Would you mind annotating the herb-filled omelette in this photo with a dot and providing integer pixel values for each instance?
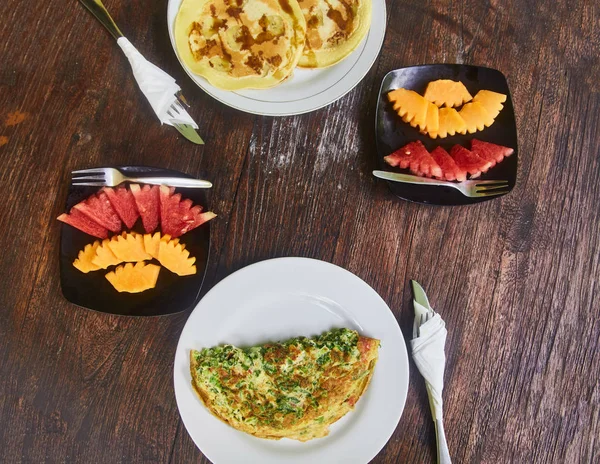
(293, 389)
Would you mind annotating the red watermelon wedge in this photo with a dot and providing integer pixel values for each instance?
(123, 202)
(450, 170)
(80, 221)
(427, 167)
(469, 161)
(177, 216)
(401, 158)
(146, 200)
(99, 210)
(490, 151)
(169, 206)
(422, 164)
(414, 156)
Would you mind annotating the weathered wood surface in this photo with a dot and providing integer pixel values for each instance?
(517, 279)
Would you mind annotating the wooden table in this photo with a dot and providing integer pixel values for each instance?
(516, 279)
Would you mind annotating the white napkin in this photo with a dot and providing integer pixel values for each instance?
(158, 87)
(430, 358)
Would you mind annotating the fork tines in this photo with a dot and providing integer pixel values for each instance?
(491, 187)
(176, 108)
(95, 179)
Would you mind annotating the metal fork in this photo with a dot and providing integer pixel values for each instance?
(111, 177)
(424, 318)
(442, 444)
(469, 188)
(185, 129)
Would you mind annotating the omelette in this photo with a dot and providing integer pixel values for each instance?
(293, 389)
(238, 44)
(334, 28)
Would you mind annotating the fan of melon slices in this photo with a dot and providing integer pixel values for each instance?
(111, 209)
(434, 113)
(131, 247)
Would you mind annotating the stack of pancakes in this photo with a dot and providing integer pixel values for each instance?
(240, 44)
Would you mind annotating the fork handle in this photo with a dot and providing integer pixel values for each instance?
(172, 181)
(408, 179)
(101, 13)
(442, 445)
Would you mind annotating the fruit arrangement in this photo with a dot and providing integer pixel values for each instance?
(434, 113)
(110, 210)
(449, 166)
(131, 247)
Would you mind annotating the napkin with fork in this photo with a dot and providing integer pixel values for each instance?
(429, 334)
(158, 87)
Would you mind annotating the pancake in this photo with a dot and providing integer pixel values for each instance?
(294, 389)
(334, 29)
(238, 44)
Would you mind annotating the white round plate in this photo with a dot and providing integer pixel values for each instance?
(279, 299)
(307, 89)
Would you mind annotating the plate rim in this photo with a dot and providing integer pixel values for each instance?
(207, 87)
(405, 376)
(173, 173)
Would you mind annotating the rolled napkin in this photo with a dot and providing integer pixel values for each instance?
(428, 352)
(158, 87)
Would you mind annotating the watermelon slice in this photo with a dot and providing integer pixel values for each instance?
(419, 154)
(490, 151)
(469, 161)
(177, 216)
(123, 203)
(82, 222)
(146, 200)
(450, 170)
(99, 210)
(421, 163)
(169, 206)
(414, 156)
(401, 158)
(427, 166)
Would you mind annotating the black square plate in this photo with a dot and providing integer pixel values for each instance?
(392, 133)
(172, 293)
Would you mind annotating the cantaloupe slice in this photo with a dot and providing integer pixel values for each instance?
(132, 278)
(476, 117)
(151, 243)
(84, 259)
(433, 118)
(104, 256)
(447, 92)
(176, 258)
(129, 247)
(410, 106)
(491, 101)
(450, 123)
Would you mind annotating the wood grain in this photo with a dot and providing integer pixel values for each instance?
(516, 279)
